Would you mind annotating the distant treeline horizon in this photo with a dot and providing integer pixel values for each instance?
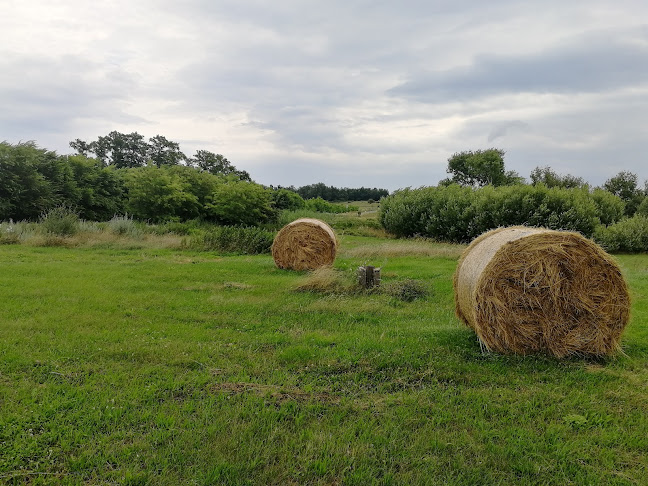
(337, 194)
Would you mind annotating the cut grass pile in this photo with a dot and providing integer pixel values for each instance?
(160, 366)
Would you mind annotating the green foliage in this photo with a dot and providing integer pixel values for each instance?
(546, 176)
(437, 212)
(629, 235)
(24, 192)
(121, 150)
(217, 164)
(321, 206)
(480, 168)
(32, 180)
(60, 221)
(250, 240)
(164, 152)
(240, 203)
(625, 185)
(643, 207)
(101, 191)
(610, 208)
(285, 199)
(336, 194)
(458, 214)
(158, 194)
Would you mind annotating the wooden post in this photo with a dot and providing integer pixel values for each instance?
(368, 276)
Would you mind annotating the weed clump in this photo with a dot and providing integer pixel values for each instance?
(328, 280)
(407, 290)
(60, 221)
(123, 226)
(247, 240)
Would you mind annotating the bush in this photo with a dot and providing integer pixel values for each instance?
(241, 203)
(61, 221)
(609, 207)
(8, 234)
(235, 239)
(628, 235)
(123, 226)
(160, 194)
(284, 199)
(642, 209)
(458, 214)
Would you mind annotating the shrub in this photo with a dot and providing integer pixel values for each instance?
(628, 235)
(241, 203)
(160, 194)
(60, 221)
(458, 214)
(8, 234)
(642, 210)
(123, 226)
(285, 199)
(610, 208)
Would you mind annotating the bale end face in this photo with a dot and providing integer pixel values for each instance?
(304, 244)
(532, 290)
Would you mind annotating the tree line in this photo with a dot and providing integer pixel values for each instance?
(480, 194)
(337, 194)
(124, 174)
(486, 167)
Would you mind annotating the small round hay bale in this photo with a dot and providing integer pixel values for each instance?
(533, 290)
(304, 244)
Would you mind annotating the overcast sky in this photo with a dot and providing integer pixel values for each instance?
(350, 93)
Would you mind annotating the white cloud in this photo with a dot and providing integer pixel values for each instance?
(349, 93)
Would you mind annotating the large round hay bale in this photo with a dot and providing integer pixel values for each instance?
(304, 244)
(532, 290)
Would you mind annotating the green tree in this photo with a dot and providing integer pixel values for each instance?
(24, 192)
(241, 203)
(545, 175)
(164, 152)
(625, 185)
(157, 194)
(287, 199)
(101, 189)
(121, 150)
(479, 168)
(217, 164)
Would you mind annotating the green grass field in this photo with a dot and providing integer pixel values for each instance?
(161, 366)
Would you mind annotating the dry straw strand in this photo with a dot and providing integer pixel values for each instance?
(304, 244)
(533, 290)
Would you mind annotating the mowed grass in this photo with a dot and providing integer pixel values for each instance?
(160, 366)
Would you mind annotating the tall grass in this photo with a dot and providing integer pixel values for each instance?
(234, 239)
(60, 221)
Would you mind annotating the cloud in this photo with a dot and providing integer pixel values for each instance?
(595, 63)
(503, 128)
(42, 97)
(300, 91)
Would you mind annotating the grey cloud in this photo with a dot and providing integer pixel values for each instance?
(583, 67)
(50, 96)
(502, 129)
